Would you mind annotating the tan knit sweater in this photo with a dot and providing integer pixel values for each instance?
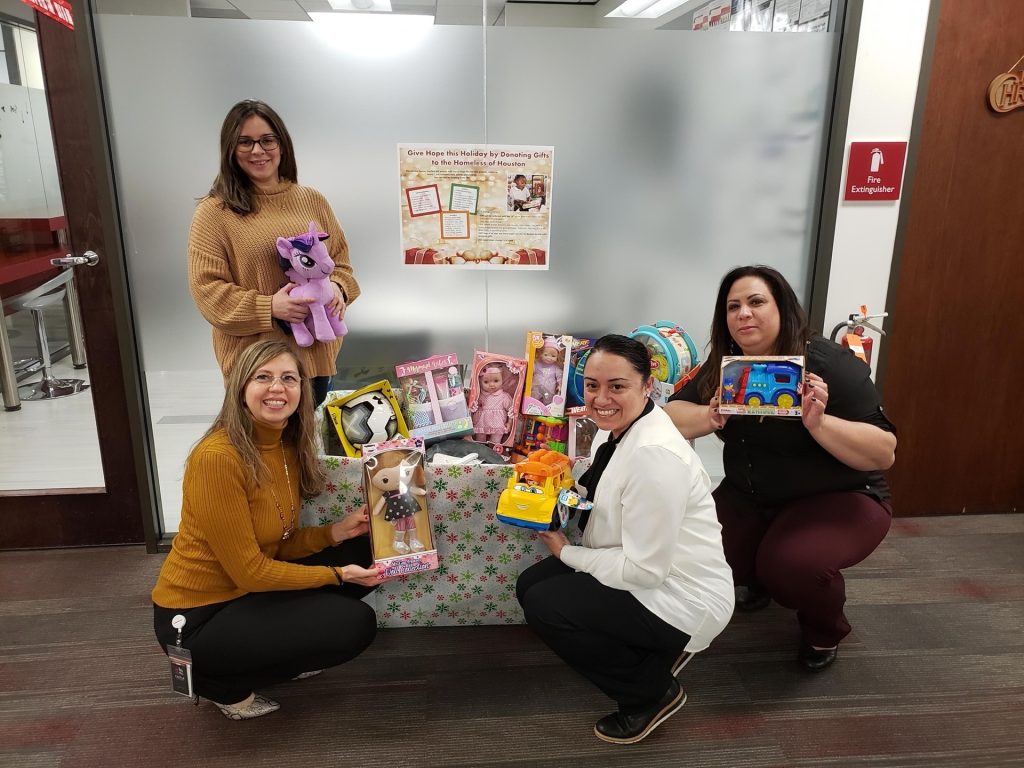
(229, 541)
(233, 269)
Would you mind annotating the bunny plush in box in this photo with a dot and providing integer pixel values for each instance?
(306, 262)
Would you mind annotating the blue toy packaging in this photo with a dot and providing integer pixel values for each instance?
(574, 404)
(761, 386)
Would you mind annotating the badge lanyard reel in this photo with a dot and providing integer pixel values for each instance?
(181, 663)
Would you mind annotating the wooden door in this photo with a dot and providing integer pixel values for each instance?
(121, 511)
(953, 367)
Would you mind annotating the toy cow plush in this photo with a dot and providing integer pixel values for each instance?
(306, 262)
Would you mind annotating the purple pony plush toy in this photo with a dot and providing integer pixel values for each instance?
(306, 262)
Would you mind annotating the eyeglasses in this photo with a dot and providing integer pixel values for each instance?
(289, 380)
(268, 142)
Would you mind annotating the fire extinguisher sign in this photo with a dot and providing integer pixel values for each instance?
(875, 170)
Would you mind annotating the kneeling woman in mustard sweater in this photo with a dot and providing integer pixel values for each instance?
(263, 600)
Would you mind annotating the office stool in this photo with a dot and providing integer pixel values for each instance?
(36, 300)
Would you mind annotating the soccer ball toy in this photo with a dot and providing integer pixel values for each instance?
(368, 415)
(369, 418)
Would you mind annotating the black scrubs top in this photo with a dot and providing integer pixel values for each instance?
(774, 459)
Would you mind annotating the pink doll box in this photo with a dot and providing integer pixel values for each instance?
(761, 386)
(396, 497)
(547, 373)
(495, 394)
(434, 401)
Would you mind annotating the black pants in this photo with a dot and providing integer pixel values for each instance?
(605, 634)
(321, 386)
(264, 638)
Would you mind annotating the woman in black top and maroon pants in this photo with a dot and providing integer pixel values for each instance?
(801, 499)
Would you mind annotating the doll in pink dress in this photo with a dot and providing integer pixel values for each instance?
(492, 412)
(547, 373)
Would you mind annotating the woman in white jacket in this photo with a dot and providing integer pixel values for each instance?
(649, 584)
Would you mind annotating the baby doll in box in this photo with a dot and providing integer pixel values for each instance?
(494, 395)
(547, 374)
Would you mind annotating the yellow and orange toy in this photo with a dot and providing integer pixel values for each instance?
(531, 498)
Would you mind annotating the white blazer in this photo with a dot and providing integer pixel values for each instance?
(654, 531)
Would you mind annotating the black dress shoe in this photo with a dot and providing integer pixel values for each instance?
(619, 728)
(815, 659)
(751, 599)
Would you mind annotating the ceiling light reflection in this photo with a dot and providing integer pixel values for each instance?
(372, 35)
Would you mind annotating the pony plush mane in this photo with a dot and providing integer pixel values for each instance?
(302, 243)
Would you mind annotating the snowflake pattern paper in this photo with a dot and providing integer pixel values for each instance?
(480, 558)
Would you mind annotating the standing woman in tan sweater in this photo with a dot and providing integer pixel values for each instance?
(233, 268)
(263, 601)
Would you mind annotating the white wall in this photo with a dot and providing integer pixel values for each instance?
(885, 82)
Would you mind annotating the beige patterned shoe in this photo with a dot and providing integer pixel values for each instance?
(258, 706)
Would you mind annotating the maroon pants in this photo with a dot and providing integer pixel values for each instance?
(795, 551)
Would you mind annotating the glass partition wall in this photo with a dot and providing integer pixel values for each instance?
(678, 154)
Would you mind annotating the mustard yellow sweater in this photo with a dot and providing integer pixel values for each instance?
(233, 269)
(229, 541)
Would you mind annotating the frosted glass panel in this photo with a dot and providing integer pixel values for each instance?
(677, 156)
(176, 78)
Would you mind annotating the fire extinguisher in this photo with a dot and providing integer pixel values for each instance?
(855, 338)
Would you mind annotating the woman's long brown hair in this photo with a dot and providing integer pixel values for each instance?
(793, 330)
(237, 422)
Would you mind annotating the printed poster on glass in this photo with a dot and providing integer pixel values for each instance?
(480, 206)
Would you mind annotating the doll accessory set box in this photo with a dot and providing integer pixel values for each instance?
(434, 402)
(761, 386)
(396, 496)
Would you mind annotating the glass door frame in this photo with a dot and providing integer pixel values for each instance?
(124, 511)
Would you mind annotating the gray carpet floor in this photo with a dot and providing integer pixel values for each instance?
(933, 675)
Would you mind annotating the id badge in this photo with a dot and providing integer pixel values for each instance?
(181, 670)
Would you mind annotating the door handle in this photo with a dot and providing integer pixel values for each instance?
(87, 259)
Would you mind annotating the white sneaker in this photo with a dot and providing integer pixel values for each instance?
(257, 706)
(400, 547)
(416, 545)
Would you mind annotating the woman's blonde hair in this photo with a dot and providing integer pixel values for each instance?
(237, 422)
